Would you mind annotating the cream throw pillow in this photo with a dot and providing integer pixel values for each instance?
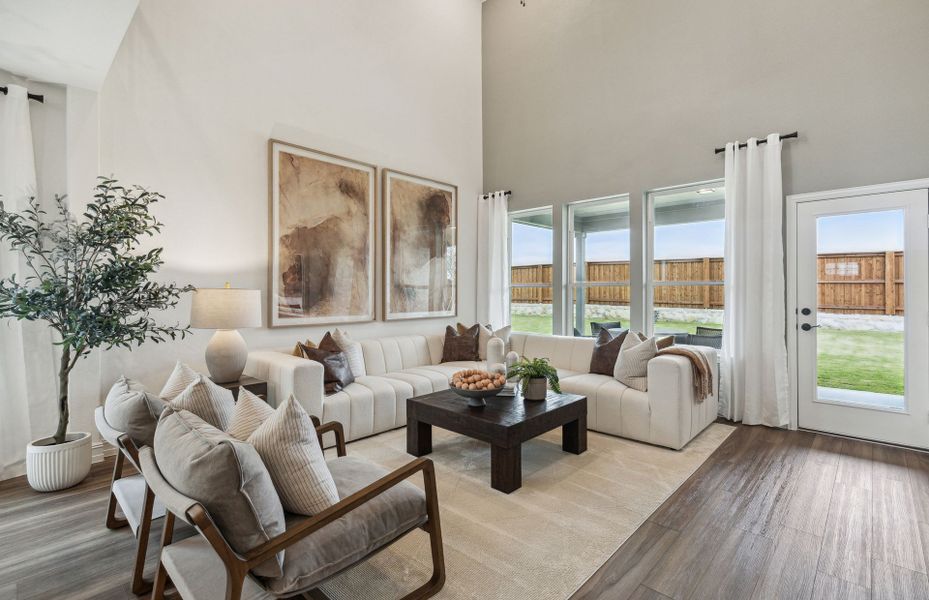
(288, 445)
(632, 364)
(249, 413)
(210, 402)
(353, 352)
(177, 382)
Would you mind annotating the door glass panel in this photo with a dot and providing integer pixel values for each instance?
(860, 313)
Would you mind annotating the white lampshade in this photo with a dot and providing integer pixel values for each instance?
(225, 308)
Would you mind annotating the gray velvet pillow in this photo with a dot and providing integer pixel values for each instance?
(225, 475)
(132, 410)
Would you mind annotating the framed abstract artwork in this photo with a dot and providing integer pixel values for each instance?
(322, 237)
(420, 247)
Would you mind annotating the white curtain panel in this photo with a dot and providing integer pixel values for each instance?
(753, 377)
(17, 184)
(493, 261)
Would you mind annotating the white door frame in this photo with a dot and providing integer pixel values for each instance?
(793, 201)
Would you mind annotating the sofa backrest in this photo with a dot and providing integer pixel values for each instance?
(564, 352)
(389, 354)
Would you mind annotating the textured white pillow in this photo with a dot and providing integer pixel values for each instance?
(484, 335)
(210, 402)
(249, 413)
(632, 364)
(289, 448)
(352, 350)
(177, 382)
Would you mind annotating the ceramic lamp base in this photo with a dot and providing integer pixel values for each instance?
(226, 355)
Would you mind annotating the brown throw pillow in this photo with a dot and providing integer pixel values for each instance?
(298, 352)
(664, 342)
(606, 349)
(336, 372)
(461, 346)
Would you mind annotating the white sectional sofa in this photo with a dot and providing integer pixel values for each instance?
(398, 368)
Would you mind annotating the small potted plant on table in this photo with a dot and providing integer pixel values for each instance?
(87, 280)
(535, 375)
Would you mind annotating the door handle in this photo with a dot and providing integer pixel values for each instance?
(807, 326)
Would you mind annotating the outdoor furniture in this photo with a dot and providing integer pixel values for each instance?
(505, 423)
(376, 509)
(713, 341)
(131, 495)
(709, 331)
(596, 326)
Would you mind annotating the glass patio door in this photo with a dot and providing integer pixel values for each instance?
(863, 316)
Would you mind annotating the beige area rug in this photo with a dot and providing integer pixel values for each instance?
(543, 540)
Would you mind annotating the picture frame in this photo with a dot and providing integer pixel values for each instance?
(322, 237)
(420, 247)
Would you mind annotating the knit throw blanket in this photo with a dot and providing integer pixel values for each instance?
(703, 372)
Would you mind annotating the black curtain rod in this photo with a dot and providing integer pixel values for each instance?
(761, 141)
(37, 97)
(486, 196)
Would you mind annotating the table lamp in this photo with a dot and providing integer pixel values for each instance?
(226, 310)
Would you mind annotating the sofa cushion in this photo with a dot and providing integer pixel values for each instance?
(632, 365)
(606, 349)
(249, 413)
(336, 372)
(563, 352)
(132, 410)
(224, 474)
(181, 377)
(461, 345)
(384, 355)
(212, 403)
(352, 350)
(354, 536)
(289, 447)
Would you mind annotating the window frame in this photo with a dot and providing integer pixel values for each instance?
(570, 246)
(509, 240)
(649, 255)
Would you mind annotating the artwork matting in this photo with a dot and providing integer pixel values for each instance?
(420, 247)
(322, 237)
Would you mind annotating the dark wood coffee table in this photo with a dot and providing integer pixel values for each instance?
(505, 423)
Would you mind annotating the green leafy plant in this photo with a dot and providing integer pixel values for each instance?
(535, 368)
(87, 278)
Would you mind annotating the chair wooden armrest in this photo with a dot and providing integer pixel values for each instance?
(336, 428)
(237, 566)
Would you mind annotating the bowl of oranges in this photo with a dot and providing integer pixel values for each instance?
(476, 385)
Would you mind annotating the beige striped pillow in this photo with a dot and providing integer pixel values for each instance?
(632, 365)
(288, 445)
(180, 378)
(249, 413)
(210, 402)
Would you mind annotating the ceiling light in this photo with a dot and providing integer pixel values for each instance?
(706, 190)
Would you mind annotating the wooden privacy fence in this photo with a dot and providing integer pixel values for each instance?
(856, 283)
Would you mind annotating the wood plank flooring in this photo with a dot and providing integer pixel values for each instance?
(780, 514)
(772, 514)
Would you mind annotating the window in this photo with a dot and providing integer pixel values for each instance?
(685, 278)
(598, 255)
(531, 246)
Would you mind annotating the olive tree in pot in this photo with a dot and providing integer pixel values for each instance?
(90, 282)
(535, 375)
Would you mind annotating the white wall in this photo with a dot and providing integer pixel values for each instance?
(198, 88)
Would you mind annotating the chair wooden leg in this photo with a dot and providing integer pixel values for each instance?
(161, 576)
(112, 521)
(437, 581)
(140, 585)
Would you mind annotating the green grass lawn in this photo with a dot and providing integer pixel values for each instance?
(869, 361)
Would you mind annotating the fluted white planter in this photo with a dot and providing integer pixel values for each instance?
(51, 467)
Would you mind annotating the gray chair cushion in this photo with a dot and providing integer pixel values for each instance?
(132, 410)
(130, 493)
(358, 534)
(226, 476)
(198, 573)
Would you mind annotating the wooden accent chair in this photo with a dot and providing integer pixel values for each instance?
(204, 567)
(134, 499)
